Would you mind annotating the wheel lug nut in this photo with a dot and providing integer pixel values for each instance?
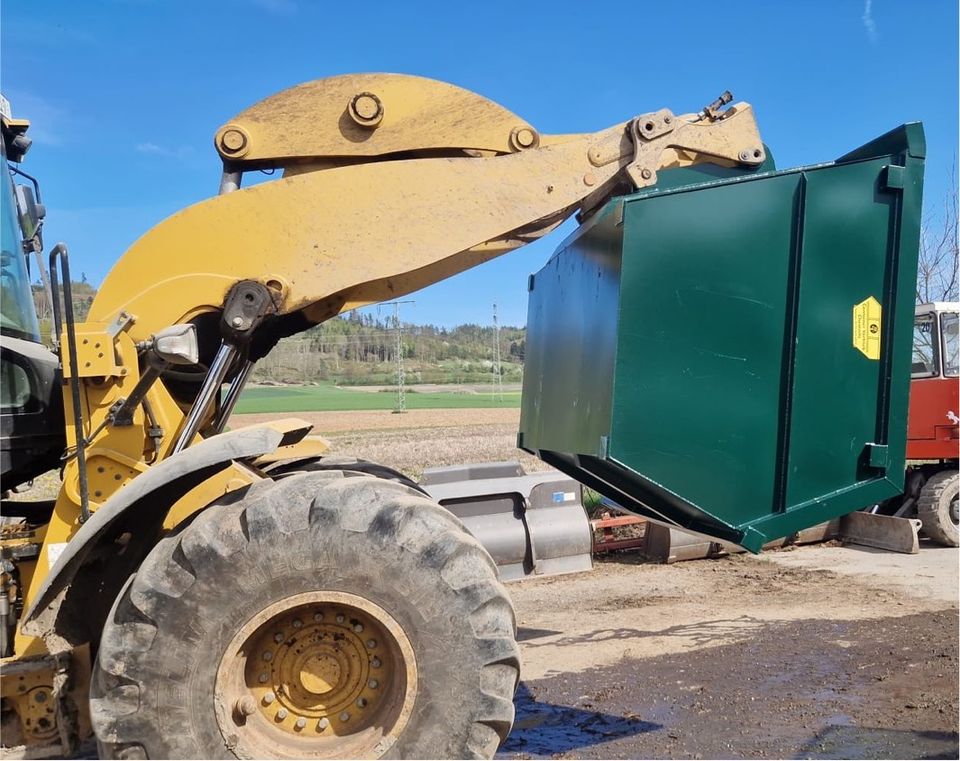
(301, 723)
(376, 663)
(358, 628)
(373, 684)
(269, 697)
(361, 702)
(371, 643)
(344, 716)
(263, 678)
(281, 714)
(246, 705)
(323, 724)
(340, 618)
(297, 623)
(267, 655)
(278, 637)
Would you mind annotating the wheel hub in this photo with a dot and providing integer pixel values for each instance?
(322, 674)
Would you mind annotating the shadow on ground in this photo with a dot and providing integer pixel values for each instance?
(846, 741)
(546, 729)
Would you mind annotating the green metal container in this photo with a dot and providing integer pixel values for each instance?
(730, 352)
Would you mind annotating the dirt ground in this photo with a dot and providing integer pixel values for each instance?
(813, 652)
(739, 657)
(418, 438)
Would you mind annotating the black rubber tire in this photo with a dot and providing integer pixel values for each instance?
(152, 693)
(346, 463)
(933, 508)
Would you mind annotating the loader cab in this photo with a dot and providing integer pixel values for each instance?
(932, 431)
(32, 436)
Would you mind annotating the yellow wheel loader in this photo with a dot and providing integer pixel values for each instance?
(200, 592)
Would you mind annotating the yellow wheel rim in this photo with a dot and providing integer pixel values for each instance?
(321, 674)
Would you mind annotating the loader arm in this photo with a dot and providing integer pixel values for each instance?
(389, 183)
(365, 213)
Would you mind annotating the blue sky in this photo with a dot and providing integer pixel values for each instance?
(125, 95)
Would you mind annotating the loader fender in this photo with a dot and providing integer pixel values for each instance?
(140, 508)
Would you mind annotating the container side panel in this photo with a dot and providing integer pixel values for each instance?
(571, 343)
(703, 312)
(837, 409)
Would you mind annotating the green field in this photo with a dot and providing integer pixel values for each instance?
(329, 397)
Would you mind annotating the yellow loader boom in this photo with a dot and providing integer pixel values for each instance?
(388, 183)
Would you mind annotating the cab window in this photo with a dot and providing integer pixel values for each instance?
(951, 343)
(925, 352)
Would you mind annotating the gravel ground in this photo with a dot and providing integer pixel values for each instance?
(418, 438)
(739, 657)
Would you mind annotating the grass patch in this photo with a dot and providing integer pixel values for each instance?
(329, 397)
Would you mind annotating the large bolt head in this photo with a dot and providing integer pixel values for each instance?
(246, 705)
(366, 110)
(523, 137)
(233, 142)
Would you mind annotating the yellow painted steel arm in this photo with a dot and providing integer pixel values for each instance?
(444, 180)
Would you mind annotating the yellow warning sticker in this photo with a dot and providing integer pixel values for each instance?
(866, 327)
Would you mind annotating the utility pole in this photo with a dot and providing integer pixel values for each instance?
(497, 378)
(398, 334)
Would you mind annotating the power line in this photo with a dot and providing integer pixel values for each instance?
(497, 378)
(401, 376)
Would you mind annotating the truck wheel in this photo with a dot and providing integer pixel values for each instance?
(315, 617)
(937, 508)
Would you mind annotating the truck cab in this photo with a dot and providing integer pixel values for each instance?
(932, 428)
(933, 435)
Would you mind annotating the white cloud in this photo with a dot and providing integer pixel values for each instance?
(153, 149)
(868, 23)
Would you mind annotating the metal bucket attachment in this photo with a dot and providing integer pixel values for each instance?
(532, 525)
(729, 352)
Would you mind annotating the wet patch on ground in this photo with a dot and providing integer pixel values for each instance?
(883, 688)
